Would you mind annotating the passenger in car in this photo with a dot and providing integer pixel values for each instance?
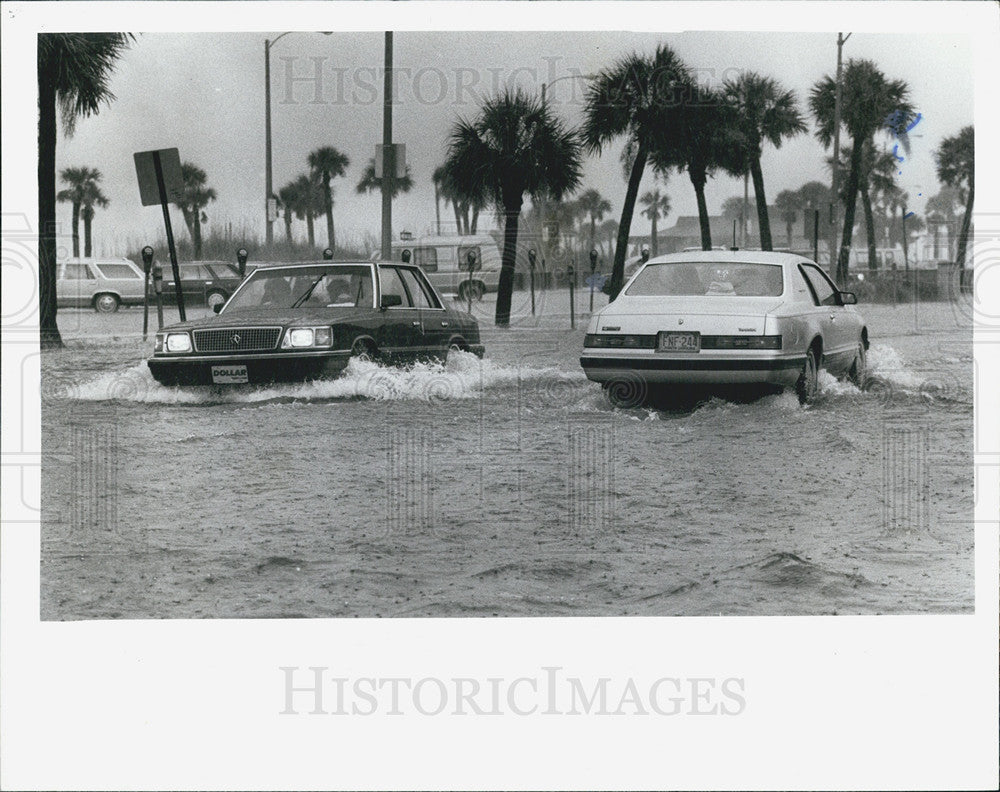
(339, 291)
(277, 292)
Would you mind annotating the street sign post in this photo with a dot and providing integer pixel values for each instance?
(161, 182)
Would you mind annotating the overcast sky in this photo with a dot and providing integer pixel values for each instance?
(204, 94)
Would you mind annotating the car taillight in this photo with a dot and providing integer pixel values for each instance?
(745, 342)
(619, 341)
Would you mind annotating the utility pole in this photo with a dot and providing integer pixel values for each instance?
(835, 198)
(388, 154)
(268, 186)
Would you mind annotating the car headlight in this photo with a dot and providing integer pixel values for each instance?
(178, 342)
(158, 343)
(304, 337)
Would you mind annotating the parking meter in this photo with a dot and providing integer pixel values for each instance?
(471, 259)
(531, 258)
(531, 275)
(645, 255)
(241, 261)
(147, 259)
(327, 254)
(406, 256)
(158, 279)
(593, 260)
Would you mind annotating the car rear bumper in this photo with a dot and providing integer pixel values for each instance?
(772, 370)
(261, 369)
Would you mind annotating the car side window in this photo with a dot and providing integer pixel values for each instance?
(823, 290)
(119, 272)
(426, 258)
(431, 295)
(417, 291)
(392, 284)
(78, 272)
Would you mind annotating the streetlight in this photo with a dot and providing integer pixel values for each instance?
(268, 180)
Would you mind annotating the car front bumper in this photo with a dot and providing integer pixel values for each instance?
(261, 369)
(695, 369)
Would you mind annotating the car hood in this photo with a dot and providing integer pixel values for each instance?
(270, 318)
(710, 306)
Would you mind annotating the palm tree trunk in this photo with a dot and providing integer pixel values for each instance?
(652, 233)
(628, 208)
(963, 235)
(475, 219)
(850, 204)
(197, 235)
(311, 229)
(698, 180)
(788, 231)
(902, 231)
(593, 230)
(49, 337)
(288, 226)
(437, 208)
(763, 221)
(866, 203)
(331, 239)
(76, 229)
(458, 216)
(88, 219)
(512, 212)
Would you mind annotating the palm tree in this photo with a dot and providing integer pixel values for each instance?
(787, 202)
(632, 99)
(371, 183)
(868, 101)
(326, 164)
(956, 167)
(74, 70)
(607, 232)
(288, 200)
(92, 197)
(195, 197)
(764, 112)
(701, 139)
(515, 146)
(595, 206)
(308, 203)
(875, 178)
(82, 187)
(657, 205)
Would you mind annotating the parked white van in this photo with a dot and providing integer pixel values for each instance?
(444, 260)
(101, 284)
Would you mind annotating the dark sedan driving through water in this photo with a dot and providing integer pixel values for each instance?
(292, 322)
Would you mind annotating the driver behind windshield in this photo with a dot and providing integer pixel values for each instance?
(339, 291)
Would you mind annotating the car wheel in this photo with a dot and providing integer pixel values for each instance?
(363, 349)
(106, 303)
(215, 298)
(859, 368)
(808, 383)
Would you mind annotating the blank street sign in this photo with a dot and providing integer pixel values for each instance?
(173, 180)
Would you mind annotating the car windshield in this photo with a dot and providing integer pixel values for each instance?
(305, 287)
(708, 278)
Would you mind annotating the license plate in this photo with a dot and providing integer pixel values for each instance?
(679, 342)
(229, 375)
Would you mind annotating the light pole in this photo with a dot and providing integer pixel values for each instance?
(388, 152)
(268, 178)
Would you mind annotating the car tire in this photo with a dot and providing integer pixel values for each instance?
(364, 349)
(214, 298)
(106, 303)
(858, 373)
(808, 382)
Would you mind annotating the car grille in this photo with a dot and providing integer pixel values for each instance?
(237, 339)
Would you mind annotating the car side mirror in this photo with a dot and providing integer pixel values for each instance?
(391, 300)
(217, 307)
(848, 298)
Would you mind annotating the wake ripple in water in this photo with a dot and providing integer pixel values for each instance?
(464, 376)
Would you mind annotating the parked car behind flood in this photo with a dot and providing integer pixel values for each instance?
(101, 284)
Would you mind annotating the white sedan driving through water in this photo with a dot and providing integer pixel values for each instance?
(722, 319)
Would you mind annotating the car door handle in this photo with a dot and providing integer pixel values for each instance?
(833, 317)
(415, 324)
(444, 324)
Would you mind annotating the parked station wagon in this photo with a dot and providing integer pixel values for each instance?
(101, 284)
(720, 318)
(303, 321)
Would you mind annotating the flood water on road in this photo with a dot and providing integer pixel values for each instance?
(506, 487)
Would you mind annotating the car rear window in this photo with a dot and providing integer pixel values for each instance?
(708, 278)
